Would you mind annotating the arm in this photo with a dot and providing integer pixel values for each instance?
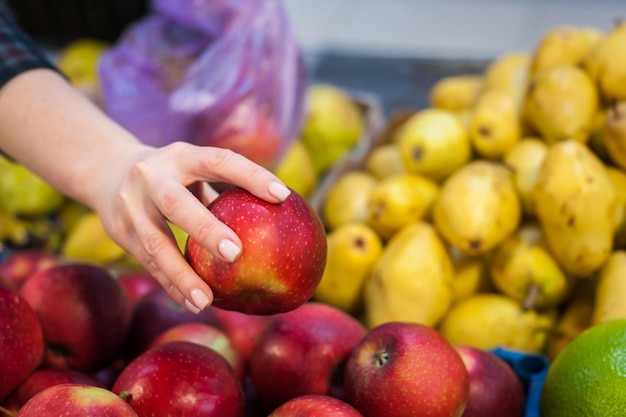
(60, 135)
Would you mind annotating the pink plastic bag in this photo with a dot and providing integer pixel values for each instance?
(225, 73)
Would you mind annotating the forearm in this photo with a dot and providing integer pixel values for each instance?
(59, 134)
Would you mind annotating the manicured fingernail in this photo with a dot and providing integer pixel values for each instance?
(278, 190)
(229, 250)
(200, 300)
(192, 307)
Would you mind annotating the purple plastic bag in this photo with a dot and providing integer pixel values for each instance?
(225, 73)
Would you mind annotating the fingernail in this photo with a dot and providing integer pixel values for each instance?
(192, 307)
(200, 300)
(278, 190)
(229, 250)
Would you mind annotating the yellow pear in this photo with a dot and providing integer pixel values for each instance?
(433, 142)
(619, 180)
(455, 92)
(384, 160)
(523, 269)
(574, 318)
(353, 250)
(348, 198)
(561, 103)
(477, 207)
(88, 241)
(576, 205)
(399, 200)
(614, 133)
(508, 70)
(564, 45)
(490, 320)
(606, 64)
(333, 125)
(496, 125)
(411, 280)
(611, 289)
(596, 140)
(471, 275)
(525, 159)
(296, 169)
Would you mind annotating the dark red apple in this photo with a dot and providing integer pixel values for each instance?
(84, 313)
(156, 312)
(47, 377)
(21, 341)
(303, 352)
(315, 406)
(206, 335)
(137, 284)
(76, 400)
(494, 388)
(406, 369)
(181, 379)
(242, 329)
(282, 259)
(20, 265)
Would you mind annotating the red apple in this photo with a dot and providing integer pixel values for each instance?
(21, 341)
(406, 369)
(242, 329)
(495, 390)
(156, 312)
(206, 335)
(76, 400)
(315, 406)
(47, 377)
(84, 314)
(181, 379)
(282, 259)
(20, 265)
(137, 284)
(302, 352)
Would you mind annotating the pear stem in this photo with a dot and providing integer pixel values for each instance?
(532, 292)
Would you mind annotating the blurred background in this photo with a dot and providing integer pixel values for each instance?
(398, 48)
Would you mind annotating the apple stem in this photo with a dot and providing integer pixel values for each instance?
(126, 396)
(6, 411)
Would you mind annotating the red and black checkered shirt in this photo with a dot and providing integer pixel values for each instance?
(18, 52)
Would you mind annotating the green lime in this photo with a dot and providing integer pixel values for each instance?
(588, 377)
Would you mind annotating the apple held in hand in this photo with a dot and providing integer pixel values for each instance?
(406, 370)
(315, 406)
(84, 313)
(181, 379)
(21, 341)
(495, 390)
(76, 400)
(282, 259)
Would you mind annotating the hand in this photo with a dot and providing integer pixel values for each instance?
(171, 182)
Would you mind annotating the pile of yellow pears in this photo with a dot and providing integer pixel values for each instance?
(498, 213)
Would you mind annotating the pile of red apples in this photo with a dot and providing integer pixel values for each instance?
(77, 339)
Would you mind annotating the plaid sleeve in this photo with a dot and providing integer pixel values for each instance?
(18, 52)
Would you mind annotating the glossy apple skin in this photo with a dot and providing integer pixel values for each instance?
(181, 379)
(47, 377)
(406, 369)
(495, 389)
(137, 284)
(84, 313)
(315, 406)
(302, 352)
(21, 341)
(19, 266)
(206, 335)
(76, 400)
(242, 329)
(282, 259)
(156, 312)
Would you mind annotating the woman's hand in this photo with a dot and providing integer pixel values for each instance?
(172, 183)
